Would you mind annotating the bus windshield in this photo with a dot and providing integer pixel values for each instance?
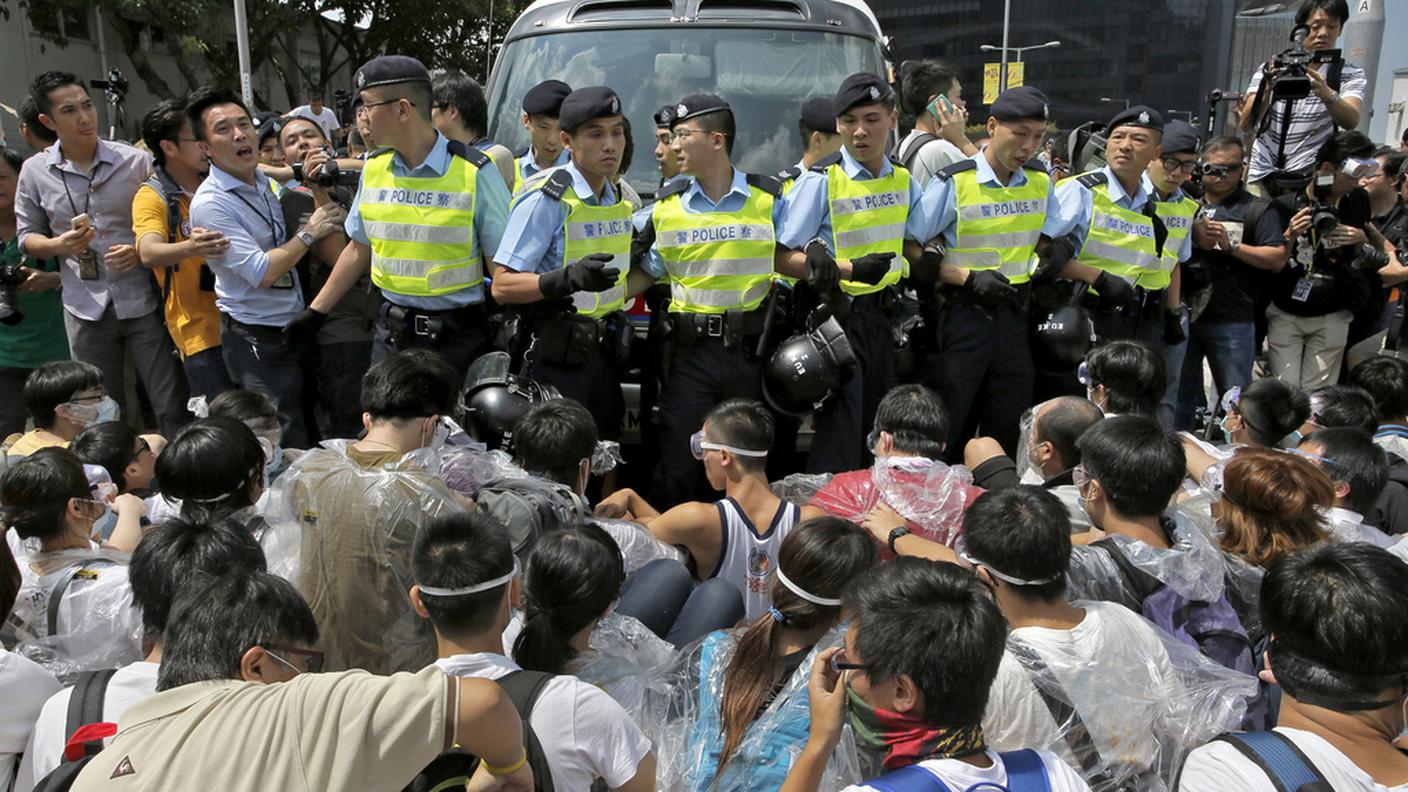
(764, 74)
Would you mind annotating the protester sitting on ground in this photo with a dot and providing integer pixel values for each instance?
(1123, 377)
(920, 657)
(1266, 414)
(750, 701)
(1358, 469)
(257, 411)
(1341, 405)
(735, 539)
(128, 460)
(466, 583)
(170, 557)
(359, 505)
(1386, 380)
(1338, 650)
(25, 682)
(62, 398)
(238, 659)
(93, 625)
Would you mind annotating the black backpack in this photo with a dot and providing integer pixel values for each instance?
(85, 707)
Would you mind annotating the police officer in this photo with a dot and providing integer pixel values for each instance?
(1113, 226)
(664, 155)
(1165, 326)
(564, 259)
(428, 212)
(817, 128)
(713, 236)
(853, 218)
(990, 212)
(541, 106)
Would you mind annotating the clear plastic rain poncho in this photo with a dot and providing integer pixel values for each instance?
(635, 667)
(688, 755)
(1119, 700)
(1393, 438)
(94, 624)
(1027, 474)
(638, 545)
(1192, 567)
(929, 494)
(358, 524)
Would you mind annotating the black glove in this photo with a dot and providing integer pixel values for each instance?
(302, 332)
(641, 243)
(871, 268)
(1053, 259)
(1114, 293)
(590, 273)
(1173, 328)
(925, 272)
(990, 288)
(822, 272)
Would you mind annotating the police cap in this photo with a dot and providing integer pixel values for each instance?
(268, 124)
(817, 115)
(698, 104)
(546, 98)
(1181, 137)
(861, 88)
(389, 70)
(584, 104)
(664, 117)
(1020, 104)
(1137, 116)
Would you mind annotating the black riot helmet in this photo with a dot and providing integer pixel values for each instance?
(807, 369)
(1062, 337)
(493, 400)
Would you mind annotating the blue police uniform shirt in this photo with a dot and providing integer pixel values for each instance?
(490, 214)
(695, 201)
(1076, 205)
(1186, 248)
(940, 201)
(534, 240)
(806, 213)
(528, 165)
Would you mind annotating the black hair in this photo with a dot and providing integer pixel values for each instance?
(418, 94)
(286, 122)
(206, 97)
(1222, 143)
(628, 148)
(110, 445)
(416, 383)
(916, 418)
(1385, 378)
(12, 158)
(1339, 9)
(209, 465)
(1393, 163)
(936, 624)
(1133, 375)
(553, 438)
(173, 554)
(1344, 144)
(29, 116)
(1138, 463)
(1344, 405)
(36, 490)
(1023, 532)
(354, 137)
(454, 88)
(163, 121)
(923, 80)
(47, 83)
(743, 423)
(214, 621)
(1062, 423)
(573, 576)
(245, 406)
(53, 384)
(1272, 409)
(720, 121)
(1352, 457)
(458, 550)
(1335, 616)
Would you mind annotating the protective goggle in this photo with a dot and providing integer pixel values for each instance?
(1016, 581)
(1320, 461)
(698, 445)
(1083, 374)
(1231, 397)
(1218, 171)
(436, 591)
(1359, 167)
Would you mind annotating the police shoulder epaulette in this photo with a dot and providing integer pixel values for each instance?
(1092, 179)
(473, 155)
(380, 152)
(954, 168)
(789, 173)
(521, 152)
(897, 162)
(556, 183)
(826, 162)
(1034, 164)
(674, 187)
(768, 184)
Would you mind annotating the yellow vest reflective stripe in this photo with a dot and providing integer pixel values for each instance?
(517, 178)
(1178, 219)
(421, 229)
(1121, 241)
(717, 261)
(998, 227)
(869, 217)
(598, 229)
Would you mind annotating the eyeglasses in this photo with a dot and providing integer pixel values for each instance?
(370, 105)
(685, 133)
(312, 660)
(698, 445)
(1218, 171)
(838, 664)
(1079, 477)
(1174, 165)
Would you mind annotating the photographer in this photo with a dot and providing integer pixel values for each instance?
(1314, 297)
(1290, 130)
(1390, 218)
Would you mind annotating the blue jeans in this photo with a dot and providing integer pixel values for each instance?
(206, 374)
(1230, 349)
(662, 595)
(260, 359)
(1151, 332)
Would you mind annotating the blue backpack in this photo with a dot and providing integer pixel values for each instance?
(1025, 773)
(1288, 769)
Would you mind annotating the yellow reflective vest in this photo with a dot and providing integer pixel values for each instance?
(1120, 241)
(717, 261)
(998, 227)
(867, 217)
(589, 229)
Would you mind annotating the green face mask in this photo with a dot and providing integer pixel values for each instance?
(865, 721)
(905, 739)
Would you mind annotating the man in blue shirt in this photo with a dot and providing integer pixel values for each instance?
(541, 106)
(256, 286)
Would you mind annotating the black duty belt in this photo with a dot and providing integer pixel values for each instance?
(731, 327)
(432, 325)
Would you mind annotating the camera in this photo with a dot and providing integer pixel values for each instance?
(11, 275)
(1323, 216)
(329, 176)
(1291, 65)
(114, 87)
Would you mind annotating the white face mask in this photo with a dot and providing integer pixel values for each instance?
(88, 414)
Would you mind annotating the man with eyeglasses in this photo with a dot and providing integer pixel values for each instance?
(1390, 218)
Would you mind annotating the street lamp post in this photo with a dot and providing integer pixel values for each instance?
(1004, 49)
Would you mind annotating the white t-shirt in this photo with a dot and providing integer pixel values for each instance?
(326, 119)
(44, 752)
(584, 732)
(960, 775)
(935, 155)
(1217, 766)
(25, 684)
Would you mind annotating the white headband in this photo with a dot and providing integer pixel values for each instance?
(1016, 581)
(475, 589)
(806, 595)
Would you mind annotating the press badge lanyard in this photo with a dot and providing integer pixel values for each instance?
(87, 196)
(268, 221)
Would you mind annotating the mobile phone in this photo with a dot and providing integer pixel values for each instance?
(941, 101)
(79, 222)
(87, 260)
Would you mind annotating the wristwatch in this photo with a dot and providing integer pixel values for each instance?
(305, 237)
(895, 536)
